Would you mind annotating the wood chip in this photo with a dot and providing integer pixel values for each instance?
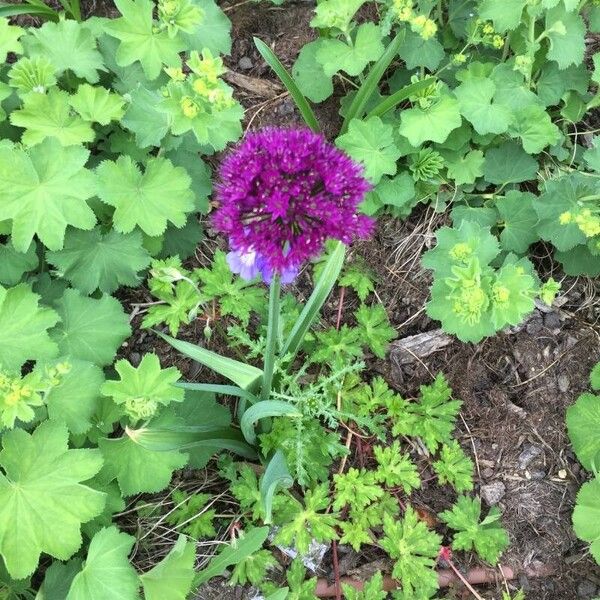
(410, 349)
(259, 87)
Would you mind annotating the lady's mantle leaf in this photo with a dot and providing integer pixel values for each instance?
(477, 106)
(95, 103)
(91, 260)
(172, 577)
(68, 45)
(136, 469)
(150, 199)
(107, 573)
(434, 123)
(49, 115)
(583, 423)
(42, 500)
(43, 190)
(23, 328)
(90, 329)
(371, 142)
(586, 516)
(141, 40)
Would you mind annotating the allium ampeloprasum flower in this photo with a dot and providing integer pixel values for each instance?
(282, 194)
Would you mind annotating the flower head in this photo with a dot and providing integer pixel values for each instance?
(282, 194)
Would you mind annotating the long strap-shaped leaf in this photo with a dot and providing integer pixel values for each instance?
(326, 281)
(303, 106)
(276, 475)
(224, 390)
(243, 375)
(12, 10)
(372, 80)
(183, 437)
(264, 410)
(392, 101)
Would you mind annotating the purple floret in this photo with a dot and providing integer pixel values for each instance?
(282, 194)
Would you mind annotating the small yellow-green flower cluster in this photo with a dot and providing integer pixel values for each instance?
(548, 291)
(459, 59)
(140, 408)
(523, 64)
(202, 87)
(403, 11)
(585, 219)
(461, 251)
(18, 395)
(471, 301)
(484, 33)
(179, 15)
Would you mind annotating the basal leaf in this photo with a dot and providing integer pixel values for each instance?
(433, 124)
(583, 424)
(477, 106)
(49, 115)
(97, 104)
(24, 328)
(505, 15)
(42, 500)
(214, 30)
(43, 190)
(566, 31)
(309, 74)
(106, 573)
(14, 264)
(68, 45)
(141, 40)
(90, 329)
(151, 199)
(535, 128)
(509, 163)
(143, 117)
(586, 516)
(91, 260)
(520, 221)
(9, 39)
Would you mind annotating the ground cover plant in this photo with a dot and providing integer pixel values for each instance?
(121, 149)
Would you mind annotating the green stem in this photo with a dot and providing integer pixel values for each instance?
(531, 49)
(272, 337)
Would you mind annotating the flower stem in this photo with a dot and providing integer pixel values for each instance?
(272, 337)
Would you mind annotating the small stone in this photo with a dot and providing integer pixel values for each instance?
(135, 358)
(562, 474)
(552, 320)
(530, 452)
(245, 63)
(534, 326)
(563, 383)
(586, 589)
(487, 473)
(493, 492)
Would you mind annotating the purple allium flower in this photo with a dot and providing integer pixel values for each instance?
(282, 194)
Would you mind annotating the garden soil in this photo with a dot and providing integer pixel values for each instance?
(515, 387)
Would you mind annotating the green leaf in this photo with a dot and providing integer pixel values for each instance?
(214, 30)
(505, 15)
(583, 425)
(395, 469)
(150, 199)
(173, 576)
(487, 537)
(74, 399)
(91, 260)
(90, 329)
(57, 580)
(276, 476)
(48, 115)
(454, 467)
(335, 55)
(414, 549)
(520, 221)
(595, 377)
(566, 31)
(374, 328)
(43, 190)
(509, 163)
(243, 375)
(309, 522)
(467, 169)
(475, 97)
(535, 128)
(41, 494)
(303, 106)
(9, 39)
(335, 14)
(586, 516)
(136, 469)
(559, 197)
(418, 52)
(371, 142)
(356, 489)
(234, 553)
(144, 118)
(372, 590)
(360, 278)
(319, 295)
(24, 328)
(554, 82)
(95, 103)
(309, 75)
(69, 45)
(141, 390)
(263, 410)
(141, 40)
(106, 573)
(13, 264)
(434, 123)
